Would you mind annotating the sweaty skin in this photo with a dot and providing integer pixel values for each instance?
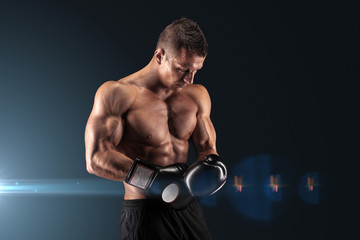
(151, 115)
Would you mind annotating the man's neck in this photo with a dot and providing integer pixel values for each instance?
(149, 78)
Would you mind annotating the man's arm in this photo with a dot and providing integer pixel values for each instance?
(208, 174)
(104, 131)
(204, 136)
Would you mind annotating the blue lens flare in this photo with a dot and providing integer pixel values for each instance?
(250, 200)
(259, 186)
(61, 186)
(311, 188)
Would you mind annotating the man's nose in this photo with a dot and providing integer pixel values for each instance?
(189, 77)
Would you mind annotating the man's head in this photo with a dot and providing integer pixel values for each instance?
(183, 33)
(180, 51)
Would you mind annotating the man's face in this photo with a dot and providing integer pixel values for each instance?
(180, 68)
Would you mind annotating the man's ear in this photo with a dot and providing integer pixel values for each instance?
(159, 55)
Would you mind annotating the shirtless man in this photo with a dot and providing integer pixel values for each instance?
(138, 133)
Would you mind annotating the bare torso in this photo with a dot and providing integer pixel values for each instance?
(157, 130)
(150, 114)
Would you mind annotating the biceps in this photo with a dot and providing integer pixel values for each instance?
(102, 134)
(204, 136)
(114, 127)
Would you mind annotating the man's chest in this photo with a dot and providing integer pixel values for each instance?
(157, 121)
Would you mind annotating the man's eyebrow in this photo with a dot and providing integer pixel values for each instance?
(183, 66)
(187, 66)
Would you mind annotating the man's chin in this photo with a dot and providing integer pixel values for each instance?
(178, 86)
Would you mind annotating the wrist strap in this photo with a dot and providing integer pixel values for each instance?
(141, 174)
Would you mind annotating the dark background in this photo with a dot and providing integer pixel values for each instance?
(281, 76)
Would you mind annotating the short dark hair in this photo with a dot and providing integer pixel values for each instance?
(183, 33)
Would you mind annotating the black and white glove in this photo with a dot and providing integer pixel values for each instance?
(165, 183)
(177, 183)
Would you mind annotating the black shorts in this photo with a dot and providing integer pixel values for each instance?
(149, 219)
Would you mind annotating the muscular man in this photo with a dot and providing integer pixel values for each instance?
(139, 130)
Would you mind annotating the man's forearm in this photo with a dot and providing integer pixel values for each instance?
(110, 164)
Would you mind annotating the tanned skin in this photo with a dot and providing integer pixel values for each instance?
(151, 115)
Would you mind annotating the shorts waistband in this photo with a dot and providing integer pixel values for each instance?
(137, 203)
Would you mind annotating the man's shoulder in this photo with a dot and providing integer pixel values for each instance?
(115, 95)
(112, 90)
(198, 93)
(195, 87)
(112, 86)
